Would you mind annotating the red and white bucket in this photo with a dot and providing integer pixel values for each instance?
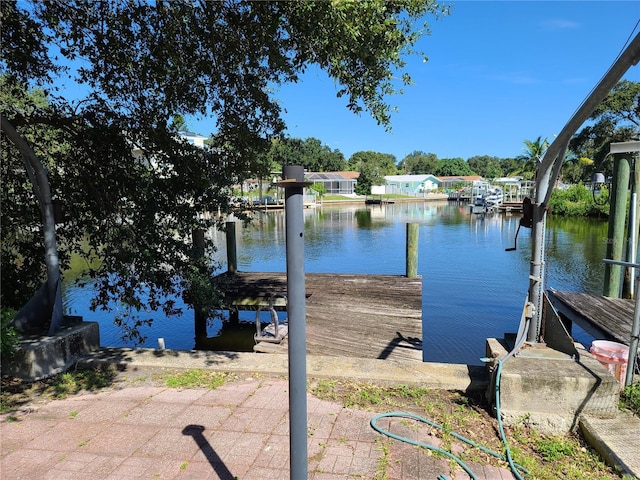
(613, 355)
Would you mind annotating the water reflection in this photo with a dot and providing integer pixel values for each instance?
(472, 288)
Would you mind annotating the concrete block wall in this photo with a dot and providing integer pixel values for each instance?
(550, 394)
(39, 357)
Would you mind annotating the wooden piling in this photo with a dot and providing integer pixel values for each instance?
(199, 316)
(232, 256)
(617, 217)
(412, 250)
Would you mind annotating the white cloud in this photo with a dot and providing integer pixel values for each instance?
(559, 24)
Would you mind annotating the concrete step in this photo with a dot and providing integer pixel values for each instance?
(617, 440)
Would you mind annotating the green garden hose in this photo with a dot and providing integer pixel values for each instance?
(515, 468)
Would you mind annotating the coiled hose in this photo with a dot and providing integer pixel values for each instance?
(516, 469)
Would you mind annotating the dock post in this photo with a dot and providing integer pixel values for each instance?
(293, 184)
(412, 250)
(617, 217)
(199, 317)
(633, 227)
(232, 256)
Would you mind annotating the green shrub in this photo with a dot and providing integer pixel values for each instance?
(630, 398)
(578, 201)
(8, 335)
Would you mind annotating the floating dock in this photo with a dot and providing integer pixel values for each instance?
(362, 316)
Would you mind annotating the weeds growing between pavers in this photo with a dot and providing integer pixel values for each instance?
(630, 399)
(546, 457)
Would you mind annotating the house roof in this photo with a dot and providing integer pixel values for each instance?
(346, 175)
(409, 178)
(465, 178)
(191, 135)
(507, 180)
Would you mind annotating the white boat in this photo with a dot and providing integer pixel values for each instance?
(480, 205)
(494, 197)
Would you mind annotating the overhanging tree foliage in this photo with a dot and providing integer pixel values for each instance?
(115, 73)
(616, 119)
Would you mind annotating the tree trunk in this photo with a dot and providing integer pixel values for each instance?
(40, 181)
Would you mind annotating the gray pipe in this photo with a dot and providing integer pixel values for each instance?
(635, 326)
(635, 336)
(293, 183)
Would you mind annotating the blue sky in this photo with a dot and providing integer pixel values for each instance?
(498, 73)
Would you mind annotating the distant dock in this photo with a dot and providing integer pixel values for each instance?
(463, 197)
(510, 207)
(362, 316)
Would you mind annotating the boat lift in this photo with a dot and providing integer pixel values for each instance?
(546, 177)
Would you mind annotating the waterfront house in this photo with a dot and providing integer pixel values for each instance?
(458, 181)
(410, 184)
(193, 138)
(335, 183)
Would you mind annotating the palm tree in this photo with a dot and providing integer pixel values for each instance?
(533, 154)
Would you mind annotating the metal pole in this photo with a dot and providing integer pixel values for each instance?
(635, 326)
(536, 272)
(293, 183)
(635, 335)
(633, 239)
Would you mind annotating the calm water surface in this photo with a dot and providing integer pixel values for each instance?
(472, 288)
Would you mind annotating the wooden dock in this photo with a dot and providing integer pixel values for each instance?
(602, 317)
(365, 316)
(513, 207)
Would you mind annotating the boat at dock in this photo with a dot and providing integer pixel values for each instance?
(487, 202)
(494, 197)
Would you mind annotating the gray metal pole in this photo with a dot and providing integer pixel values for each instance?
(633, 341)
(635, 326)
(293, 183)
(633, 239)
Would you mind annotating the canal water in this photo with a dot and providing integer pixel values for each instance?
(472, 288)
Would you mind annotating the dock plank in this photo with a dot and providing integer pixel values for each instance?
(602, 317)
(366, 316)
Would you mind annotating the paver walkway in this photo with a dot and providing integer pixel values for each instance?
(239, 430)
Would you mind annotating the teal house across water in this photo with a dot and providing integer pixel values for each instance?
(411, 184)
